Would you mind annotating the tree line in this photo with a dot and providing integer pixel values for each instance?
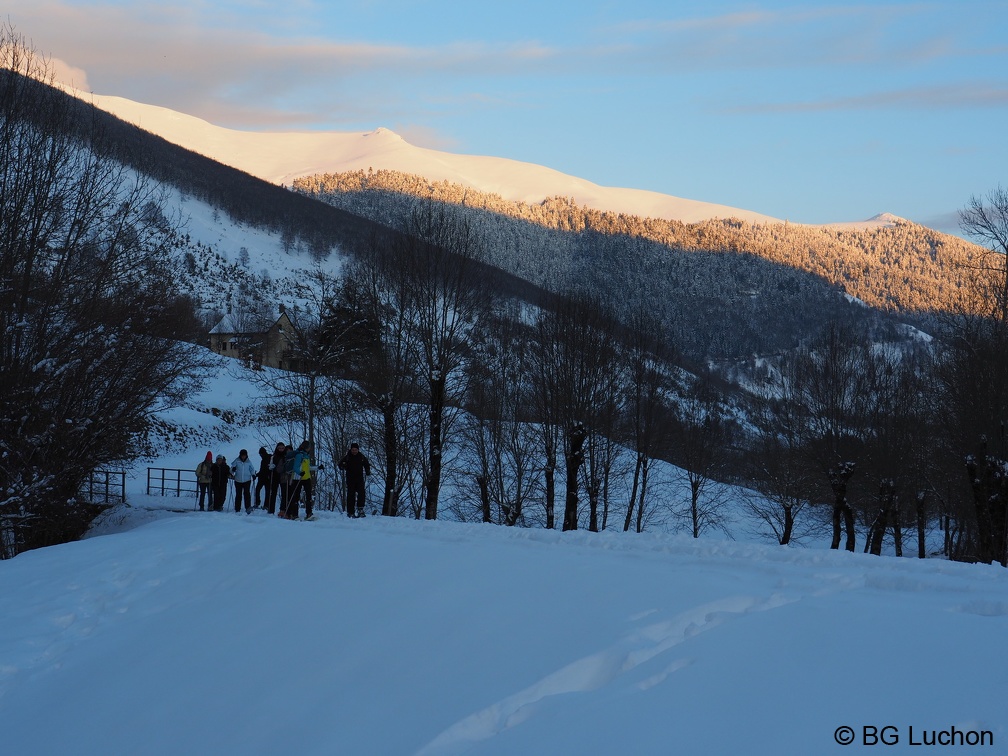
(557, 414)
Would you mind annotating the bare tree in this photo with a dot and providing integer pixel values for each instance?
(446, 301)
(700, 446)
(499, 431)
(972, 374)
(779, 468)
(576, 355)
(831, 379)
(973, 377)
(985, 220)
(647, 387)
(90, 322)
(385, 367)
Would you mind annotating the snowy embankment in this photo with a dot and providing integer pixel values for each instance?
(235, 634)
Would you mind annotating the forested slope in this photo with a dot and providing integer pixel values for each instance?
(723, 288)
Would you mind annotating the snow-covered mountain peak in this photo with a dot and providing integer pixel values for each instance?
(888, 219)
(280, 157)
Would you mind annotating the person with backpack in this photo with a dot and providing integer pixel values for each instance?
(220, 474)
(301, 480)
(203, 480)
(242, 472)
(262, 478)
(357, 468)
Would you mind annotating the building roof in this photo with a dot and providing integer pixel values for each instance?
(229, 325)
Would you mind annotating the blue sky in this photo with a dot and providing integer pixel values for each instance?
(812, 111)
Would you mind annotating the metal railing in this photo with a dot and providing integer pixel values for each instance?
(170, 481)
(105, 486)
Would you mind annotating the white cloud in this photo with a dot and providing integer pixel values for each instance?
(70, 75)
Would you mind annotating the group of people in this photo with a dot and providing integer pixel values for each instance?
(282, 479)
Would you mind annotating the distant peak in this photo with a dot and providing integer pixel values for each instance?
(888, 218)
(381, 131)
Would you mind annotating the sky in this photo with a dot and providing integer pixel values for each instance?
(813, 111)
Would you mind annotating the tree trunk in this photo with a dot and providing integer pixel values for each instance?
(877, 533)
(550, 475)
(312, 399)
(785, 538)
(574, 457)
(835, 544)
(390, 502)
(921, 524)
(695, 505)
(848, 515)
(633, 494)
(593, 499)
(605, 498)
(437, 389)
(643, 493)
(484, 491)
(839, 475)
(887, 492)
(897, 528)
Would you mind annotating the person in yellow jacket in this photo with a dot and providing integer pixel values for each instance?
(302, 471)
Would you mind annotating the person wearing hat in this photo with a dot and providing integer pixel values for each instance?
(220, 474)
(203, 477)
(357, 468)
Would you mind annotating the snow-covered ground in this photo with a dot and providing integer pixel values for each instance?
(233, 634)
(170, 631)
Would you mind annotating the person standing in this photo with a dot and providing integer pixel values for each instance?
(300, 481)
(308, 484)
(262, 478)
(357, 468)
(276, 483)
(203, 479)
(220, 474)
(243, 471)
(287, 484)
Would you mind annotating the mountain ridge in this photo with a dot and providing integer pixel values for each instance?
(282, 157)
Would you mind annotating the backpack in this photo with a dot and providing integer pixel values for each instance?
(299, 460)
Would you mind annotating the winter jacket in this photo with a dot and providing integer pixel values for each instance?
(204, 472)
(242, 470)
(277, 461)
(264, 463)
(356, 466)
(220, 473)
